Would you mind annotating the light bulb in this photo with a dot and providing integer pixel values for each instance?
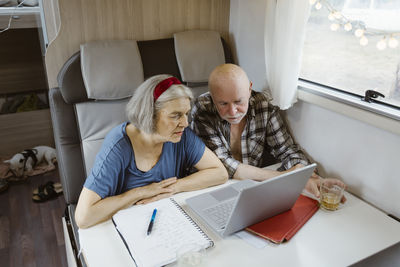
(318, 6)
(334, 26)
(381, 45)
(331, 17)
(312, 2)
(359, 32)
(363, 41)
(348, 27)
(337, 14)
(393, 42)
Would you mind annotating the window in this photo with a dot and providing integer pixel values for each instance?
(335, 57)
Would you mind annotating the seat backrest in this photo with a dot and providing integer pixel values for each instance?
(90, 99)
(205, 49)
(111, 72)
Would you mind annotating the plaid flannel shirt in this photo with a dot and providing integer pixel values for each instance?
(264, 130)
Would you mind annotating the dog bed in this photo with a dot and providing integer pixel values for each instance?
(5, 172)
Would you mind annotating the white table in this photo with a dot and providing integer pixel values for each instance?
(340, 238)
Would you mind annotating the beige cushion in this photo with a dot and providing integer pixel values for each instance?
(95, 120)
(111, 69)
(198, 53)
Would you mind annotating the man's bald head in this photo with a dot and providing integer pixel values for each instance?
(226, 75)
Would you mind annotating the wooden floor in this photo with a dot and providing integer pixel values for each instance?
(31, 233)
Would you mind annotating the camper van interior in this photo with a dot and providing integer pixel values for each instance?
(69, 67)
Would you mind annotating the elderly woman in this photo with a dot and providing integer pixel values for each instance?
(148, 158)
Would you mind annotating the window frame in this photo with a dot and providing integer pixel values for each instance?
(350, 105)
(381, 106)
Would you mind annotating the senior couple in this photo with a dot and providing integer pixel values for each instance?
(150, 156)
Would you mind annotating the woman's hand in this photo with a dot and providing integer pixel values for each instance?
(156, 191)
(155, 198)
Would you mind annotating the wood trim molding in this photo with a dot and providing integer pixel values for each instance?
(52, 18)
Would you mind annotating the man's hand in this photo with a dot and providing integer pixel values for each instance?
(314, 183)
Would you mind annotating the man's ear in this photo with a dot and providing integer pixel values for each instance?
(250, 89)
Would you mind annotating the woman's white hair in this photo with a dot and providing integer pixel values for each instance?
(141, 110)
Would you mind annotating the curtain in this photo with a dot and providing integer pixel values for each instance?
(284, 37)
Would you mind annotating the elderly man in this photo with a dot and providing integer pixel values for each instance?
(242, 128)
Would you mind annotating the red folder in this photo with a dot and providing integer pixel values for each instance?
(284, 226)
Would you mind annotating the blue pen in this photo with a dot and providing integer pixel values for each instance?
(151, 221)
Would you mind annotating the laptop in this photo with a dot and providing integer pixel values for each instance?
(233, 208)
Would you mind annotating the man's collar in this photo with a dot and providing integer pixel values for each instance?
(250, 110)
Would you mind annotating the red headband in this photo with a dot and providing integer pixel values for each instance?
(163, 86)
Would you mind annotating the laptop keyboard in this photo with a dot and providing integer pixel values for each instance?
(220, 213)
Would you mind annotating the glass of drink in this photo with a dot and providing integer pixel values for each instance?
(331, 194)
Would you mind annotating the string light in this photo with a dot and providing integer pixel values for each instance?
(359, 30)
(337, 15)
(363, 41)
(393, 42)
(347, 27)
(335, 27)
(381, 45)
(359, 33)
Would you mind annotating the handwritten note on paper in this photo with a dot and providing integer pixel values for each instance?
(172, 229)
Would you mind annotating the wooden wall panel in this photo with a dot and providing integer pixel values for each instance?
(21, 63)
(19, 131)
(88, 20)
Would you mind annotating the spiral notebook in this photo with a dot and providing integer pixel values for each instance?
(173, 228)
